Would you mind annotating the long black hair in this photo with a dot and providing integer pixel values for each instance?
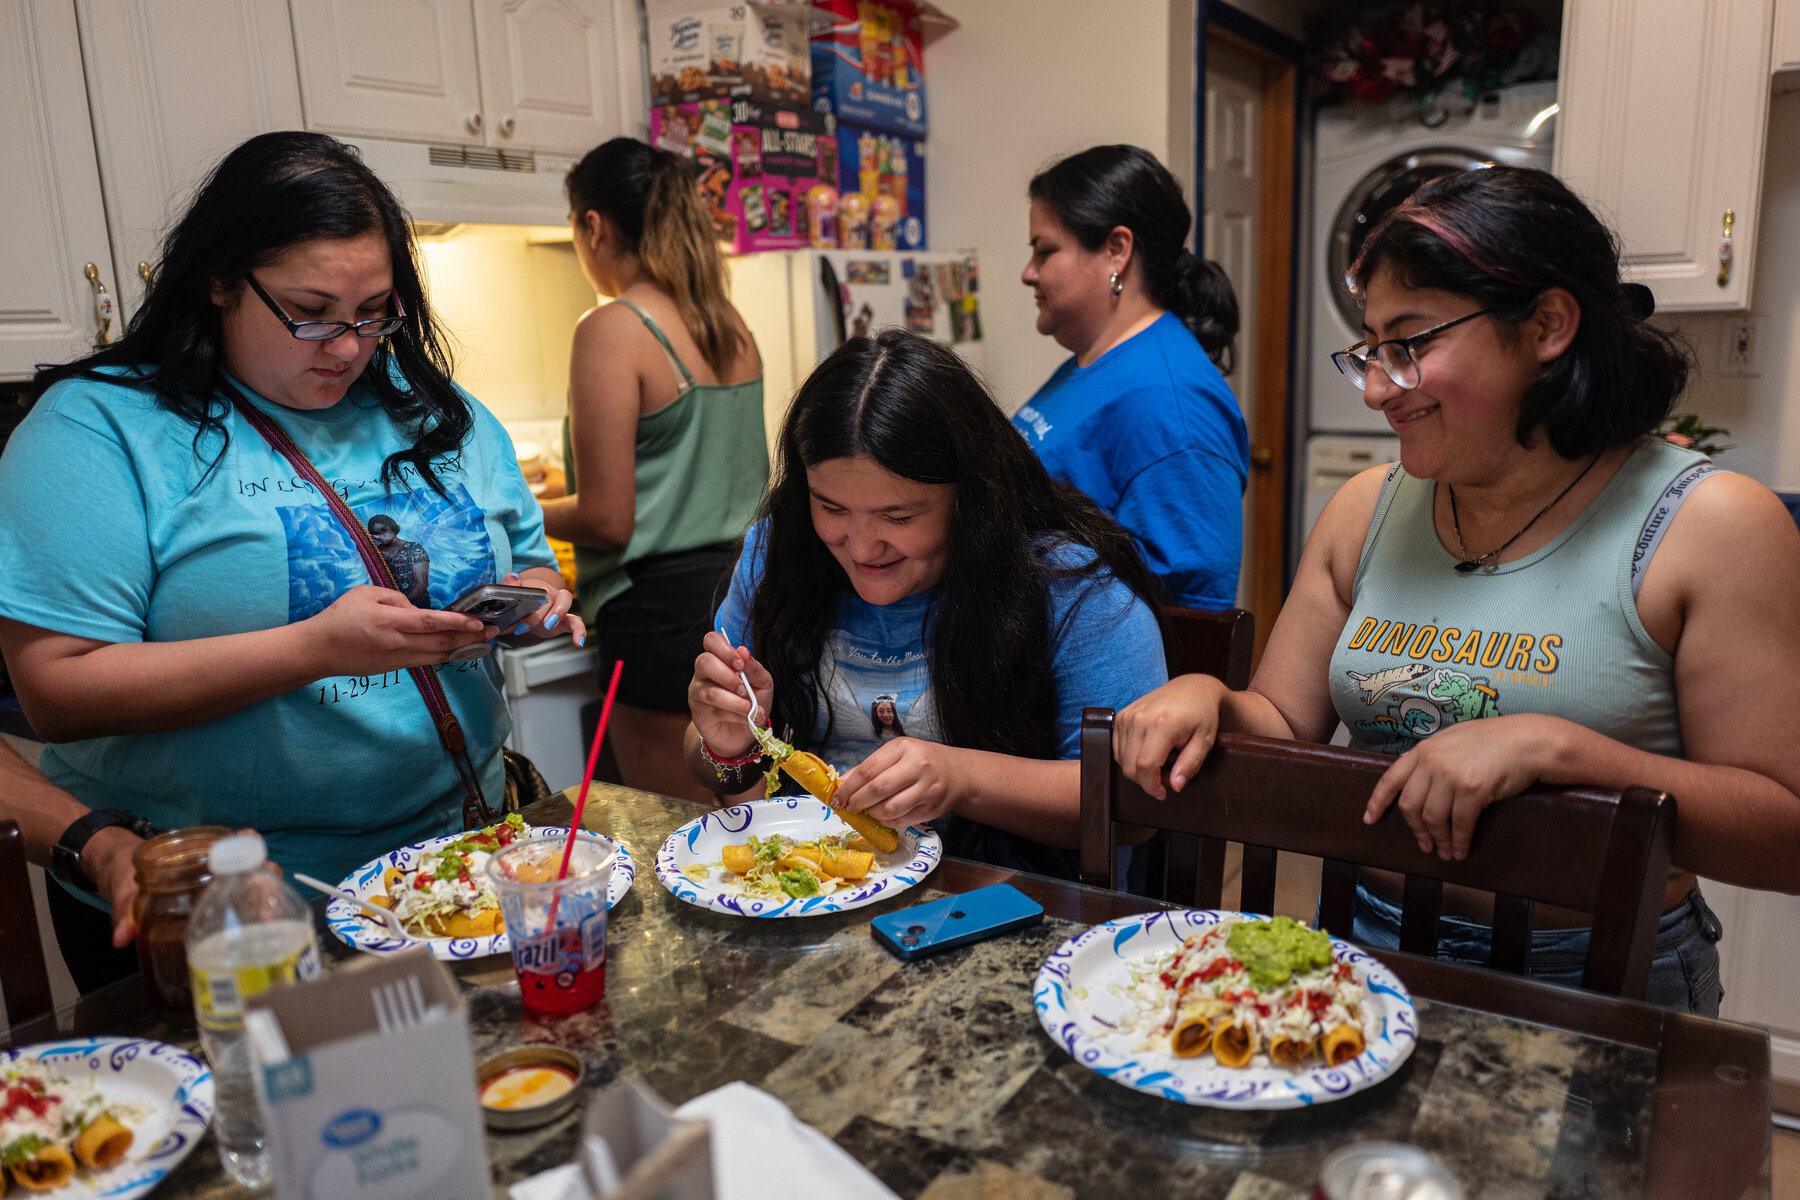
(649, 196)
(1503, 235)
(915, 409)
(271, 193)
(1096, 191)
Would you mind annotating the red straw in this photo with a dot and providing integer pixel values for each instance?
(587, 780)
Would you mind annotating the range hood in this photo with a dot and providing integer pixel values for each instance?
(447, 184)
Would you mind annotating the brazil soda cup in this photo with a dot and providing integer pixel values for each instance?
(557, 928)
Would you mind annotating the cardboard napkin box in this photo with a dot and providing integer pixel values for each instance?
(356, 1111)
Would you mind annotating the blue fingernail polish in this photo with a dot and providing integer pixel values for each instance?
(581, 641)
(521, 629)
(551, 623)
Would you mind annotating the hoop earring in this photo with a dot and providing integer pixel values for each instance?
(1118, 285)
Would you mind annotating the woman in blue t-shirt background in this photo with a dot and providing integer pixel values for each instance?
(912, 546)
(1139, 417)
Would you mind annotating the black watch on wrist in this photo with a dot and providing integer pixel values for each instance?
(65, 856)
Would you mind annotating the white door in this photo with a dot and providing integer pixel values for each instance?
(55, 223)
(390, 68)
(1662, 128)
(172, 88)
(552, 73)
(1231, 224)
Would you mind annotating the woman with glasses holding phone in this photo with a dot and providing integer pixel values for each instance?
(187, 621)
(1541, 590)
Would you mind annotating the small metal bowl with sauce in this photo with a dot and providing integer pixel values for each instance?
(528, 1086)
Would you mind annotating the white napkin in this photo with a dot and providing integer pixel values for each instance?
(751, 1131)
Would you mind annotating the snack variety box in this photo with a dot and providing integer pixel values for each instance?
(755, 165)
(750, 51)
(866, 67)
(888, 169)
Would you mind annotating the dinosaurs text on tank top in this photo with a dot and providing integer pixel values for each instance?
(1556, 632)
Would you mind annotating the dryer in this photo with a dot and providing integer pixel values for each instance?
(1366, 163)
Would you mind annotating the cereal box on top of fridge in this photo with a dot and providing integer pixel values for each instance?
(754, 165)
(888, 169)
(867, 65)
(731, 51)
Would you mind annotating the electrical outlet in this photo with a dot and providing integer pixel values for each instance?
(1737, 352)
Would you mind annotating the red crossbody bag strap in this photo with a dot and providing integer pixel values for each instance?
(476, 810)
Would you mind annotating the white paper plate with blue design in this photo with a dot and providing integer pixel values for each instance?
(164, 1095)
(699, 844)
(1081, 1001)
(365, 933)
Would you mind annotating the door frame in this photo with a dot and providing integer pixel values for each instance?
(1274, 436)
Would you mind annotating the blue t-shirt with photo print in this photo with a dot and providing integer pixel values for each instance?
(1105, 650)
(120, 529)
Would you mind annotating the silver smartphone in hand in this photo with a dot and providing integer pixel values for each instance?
(497, 605)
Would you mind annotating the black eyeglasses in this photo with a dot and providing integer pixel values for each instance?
(324, 331)
(1394, 356)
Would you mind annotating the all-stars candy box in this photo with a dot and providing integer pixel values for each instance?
(754, 165)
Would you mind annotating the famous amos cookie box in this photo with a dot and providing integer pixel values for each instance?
(757, 52)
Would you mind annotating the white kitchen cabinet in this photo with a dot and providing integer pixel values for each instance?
(123, 106)
(559, 75)
(1786, 55)
(172, 88)
(50, 194)
(1662, 128)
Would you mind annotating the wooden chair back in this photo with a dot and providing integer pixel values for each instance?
(23, 976)
(1605, 853)
(1216, 642)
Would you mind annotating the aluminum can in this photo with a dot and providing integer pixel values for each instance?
(1385, 1171)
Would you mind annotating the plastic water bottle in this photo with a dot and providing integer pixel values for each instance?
(249, 930)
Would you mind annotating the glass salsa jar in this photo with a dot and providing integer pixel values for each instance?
(171, 871)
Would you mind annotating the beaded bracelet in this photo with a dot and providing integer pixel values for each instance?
(732, 771)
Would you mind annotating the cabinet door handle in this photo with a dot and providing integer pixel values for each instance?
(1725, 247)
(474, 122)
(507, 125)
(103, 306)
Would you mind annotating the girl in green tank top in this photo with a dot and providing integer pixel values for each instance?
(664, 442)
(1539, 591)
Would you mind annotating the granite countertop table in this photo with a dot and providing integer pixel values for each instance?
(936, 1075)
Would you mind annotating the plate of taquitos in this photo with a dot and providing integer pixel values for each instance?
(812, 861)
(1166, 1003)
(465, 922)
(98, 1116)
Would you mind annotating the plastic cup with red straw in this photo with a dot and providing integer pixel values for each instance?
(587, 781)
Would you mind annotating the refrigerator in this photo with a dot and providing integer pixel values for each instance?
(802, 304)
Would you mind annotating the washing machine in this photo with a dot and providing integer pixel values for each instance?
(1366, 163)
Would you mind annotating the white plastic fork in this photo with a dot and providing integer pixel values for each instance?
(755, 732)
(388, 920)
(400, 1004)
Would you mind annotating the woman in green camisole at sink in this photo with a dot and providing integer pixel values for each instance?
(666, 452)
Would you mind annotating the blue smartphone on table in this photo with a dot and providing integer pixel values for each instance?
(956, 920)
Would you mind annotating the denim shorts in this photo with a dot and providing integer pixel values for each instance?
(1684, 973)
